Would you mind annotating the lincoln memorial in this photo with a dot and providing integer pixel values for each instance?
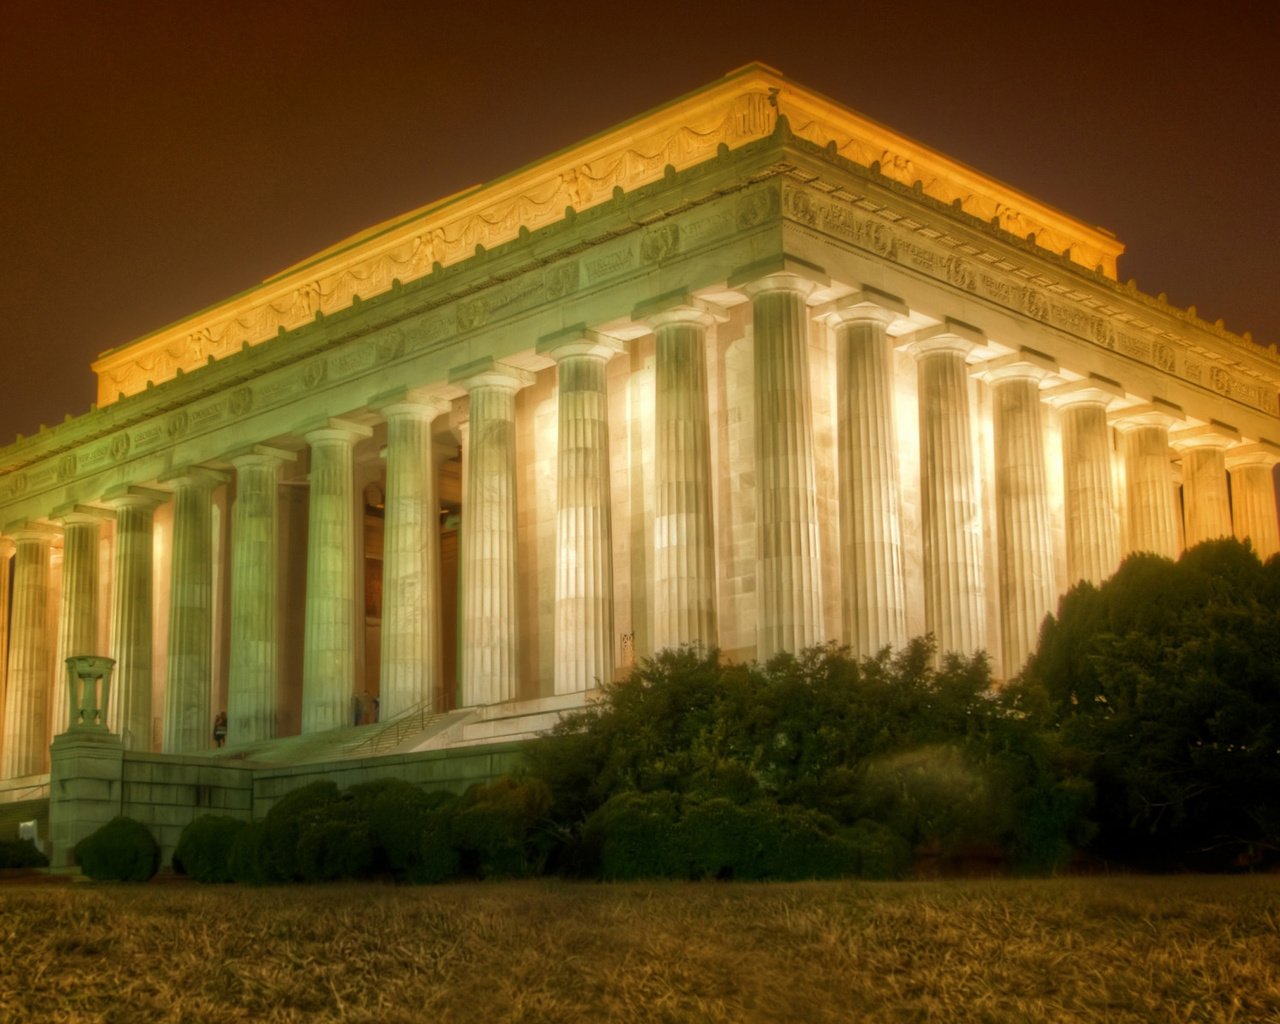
(750, 371)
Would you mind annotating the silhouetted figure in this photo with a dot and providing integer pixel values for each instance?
(220, 729)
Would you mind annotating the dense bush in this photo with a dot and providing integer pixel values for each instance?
(789, 755)
(498, 828)
(204, 848)
(1164, 685)
(285, 824)
(399, 814)
(21, 853)
(123, 850)
(244, 859)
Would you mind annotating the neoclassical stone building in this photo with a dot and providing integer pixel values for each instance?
(750, 370)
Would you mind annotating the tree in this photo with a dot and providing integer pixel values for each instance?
(1166, 682)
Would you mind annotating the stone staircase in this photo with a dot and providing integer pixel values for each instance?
(410, 728)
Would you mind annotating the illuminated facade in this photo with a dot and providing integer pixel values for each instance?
(750, 370)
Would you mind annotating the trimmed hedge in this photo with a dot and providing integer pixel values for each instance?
(204, 848)
(123, 850)
(21, 853)
(656, 835)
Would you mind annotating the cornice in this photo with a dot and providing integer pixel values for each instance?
(746, 106)
(902, 227)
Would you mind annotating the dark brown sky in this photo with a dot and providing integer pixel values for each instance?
(156, 157)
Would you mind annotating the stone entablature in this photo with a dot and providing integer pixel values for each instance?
(744, 107)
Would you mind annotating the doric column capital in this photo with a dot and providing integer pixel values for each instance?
(1090, 391)
(129, 496)
(1024, 365)
(578, 341)
(678, 307)
(409, 403)
(949, 336)
(865, 305)
(779, 273)
(487, 372)
(1151, 414)
(336, 429)
(26, 530)
(1256, 453)
(195, 476)
(1211, 435)
(261, 455)
(73, 514)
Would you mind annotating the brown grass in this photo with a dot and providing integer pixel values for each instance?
(1107, 950)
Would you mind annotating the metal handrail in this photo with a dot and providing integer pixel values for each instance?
(411, 719)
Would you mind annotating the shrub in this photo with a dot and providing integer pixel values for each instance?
(398, 816)
(635, 835)
(244, 858)
(123, 850)
(284, 825)
(204, 848)
(438, 857)
(496, 828)
(333, 849)
(21, 853)
(877, 850)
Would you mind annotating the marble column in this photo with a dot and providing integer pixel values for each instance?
(411, 559)
(189, 682)
(6, 567)
(788, 566)
(1092, 526)
(684, 550)
(584, 653)
(329, 633)
(1149, 485)
(489, 637)
(26, 703)
(1023, 538)
(1253, 495)
(255, 618)
(131, 608)
(1206, 502)
(78, 606)
(870, 535)
(952, 521)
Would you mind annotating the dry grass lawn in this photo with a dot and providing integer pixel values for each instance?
(1108, 950)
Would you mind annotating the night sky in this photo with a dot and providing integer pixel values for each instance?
(158, 157)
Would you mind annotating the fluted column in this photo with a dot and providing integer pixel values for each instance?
(489, 648)
(953, 593)
(131, 620)
(1253, 495)
(78, 607)
(584, 654)
(870, 536)
(1206, 502)
(1153, 511)
(6, 567)
(788, 566)
(189, 682)
(410, 559)
(328, 655)
(26, 703)
(684, 556)
(1092, 526)
(255, 624)
(1025, 568)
